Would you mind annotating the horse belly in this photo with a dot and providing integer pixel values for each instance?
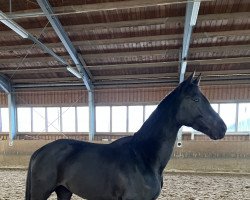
(93, 180)
(116, 190)
(96, 191)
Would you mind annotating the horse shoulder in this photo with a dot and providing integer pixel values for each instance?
(139, 180)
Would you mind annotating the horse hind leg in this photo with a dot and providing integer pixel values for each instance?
(40, 189)
(63, 193)
(39, 195)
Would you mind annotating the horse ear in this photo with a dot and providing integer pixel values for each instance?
(197, 80)
(190, 78)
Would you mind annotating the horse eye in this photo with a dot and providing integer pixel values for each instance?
(196, 100)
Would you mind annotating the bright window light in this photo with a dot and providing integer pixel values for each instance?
(24, 119)
(148, 110)
(53, 115)
(228, 114)
(102, 119)
(188, 129)
(135, 118)
(215, 106)
(244, 117)
(4, 120)
(38, 119)
(68, 119)
(119, 118)
(83, 119)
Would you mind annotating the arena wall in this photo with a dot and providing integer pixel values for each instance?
(195, 156)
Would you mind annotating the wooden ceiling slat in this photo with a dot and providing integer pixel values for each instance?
(80, 6)
(239, 33)
(46, 80)
(138, 23)
(234, 49)
(32, 71)
(132, 66)
(95, 7)
(214, 73)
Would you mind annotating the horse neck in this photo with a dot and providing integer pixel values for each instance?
(156, 138)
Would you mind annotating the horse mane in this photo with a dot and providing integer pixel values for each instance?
(164, 107)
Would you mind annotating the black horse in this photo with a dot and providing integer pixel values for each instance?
(130, 168)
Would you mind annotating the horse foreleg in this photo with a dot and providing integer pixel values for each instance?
(63, 193)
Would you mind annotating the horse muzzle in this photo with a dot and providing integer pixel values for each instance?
(219, 132)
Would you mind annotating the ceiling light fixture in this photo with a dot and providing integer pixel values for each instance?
(12, 25)
(74, 72)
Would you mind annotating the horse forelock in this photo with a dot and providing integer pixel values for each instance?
(187, 87)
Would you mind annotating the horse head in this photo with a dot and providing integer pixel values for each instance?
(195, 110)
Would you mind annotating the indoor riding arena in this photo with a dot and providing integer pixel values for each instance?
(96, 71)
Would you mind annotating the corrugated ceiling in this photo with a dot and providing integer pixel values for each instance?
(128, 42)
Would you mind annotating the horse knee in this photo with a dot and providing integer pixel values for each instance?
(63, 193)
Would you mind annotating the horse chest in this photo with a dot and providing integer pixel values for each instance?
(143, 188)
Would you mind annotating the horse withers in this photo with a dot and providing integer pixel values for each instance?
(130, 168)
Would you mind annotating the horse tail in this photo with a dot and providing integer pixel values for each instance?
(28, 182)
(29, 177)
